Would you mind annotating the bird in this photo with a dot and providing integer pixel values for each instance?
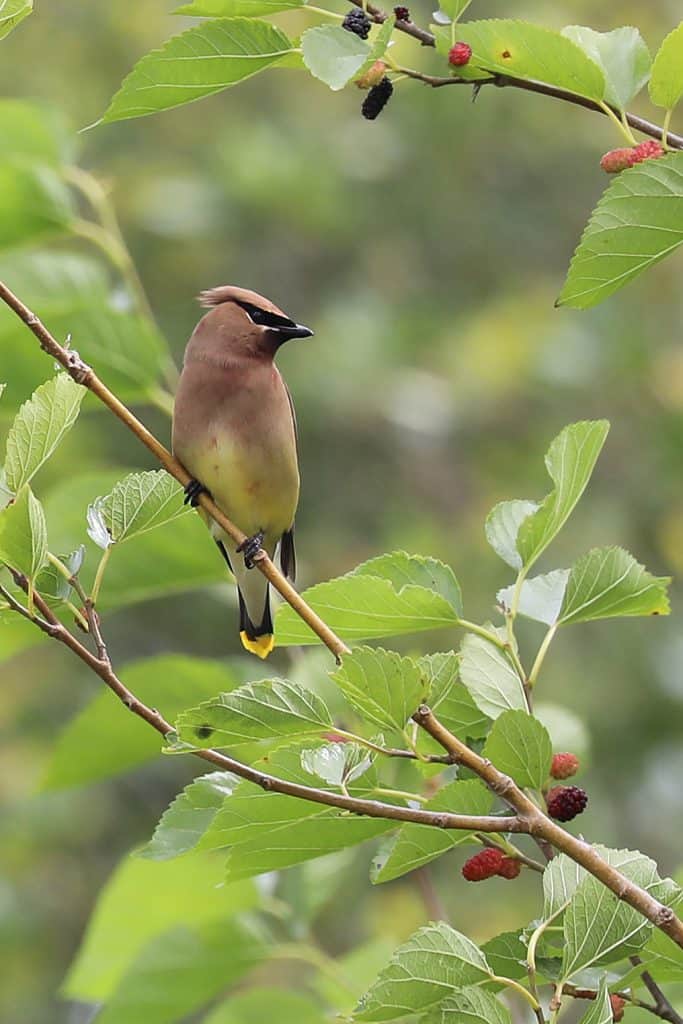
(234, 431)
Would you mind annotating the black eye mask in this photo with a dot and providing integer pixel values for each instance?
(274, 322)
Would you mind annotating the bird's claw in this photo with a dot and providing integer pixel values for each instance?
(192, 492)
(250, 547)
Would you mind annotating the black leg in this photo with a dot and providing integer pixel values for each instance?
(250, 548)
(192, 492)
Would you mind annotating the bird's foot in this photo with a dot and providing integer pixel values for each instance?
(192, 492)
(250, 548)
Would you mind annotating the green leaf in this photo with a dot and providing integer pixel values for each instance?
(492, 682)
(34, 203)
(519, 49)
(182, 970)
(447, 694)
(666, 80)
(540, 598)
(139, 503)
(469, 1006)
(600, 1011)
(598, 927)
(454, 8)
(381, 686)
(104, 739)
(140, 901)
(272, 709)
(379, 43)
(502, 526)
(415, 845)
(569, 460)
(23, 534)
(662, 957)
(268, 831)
(422, 972)
(199, 62)
(441, 671)
(185, 821)
(520, 746)
(333, 55)
(338, 764)
(623, 56)
(11, 13)
(39, 427)
(506, 954)
(386, 596)
(608, 582)
(638, 221)
(237, 8)
(255, 1005)
(560, 881)
(52, 584)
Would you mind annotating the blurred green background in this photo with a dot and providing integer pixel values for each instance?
(426, 250)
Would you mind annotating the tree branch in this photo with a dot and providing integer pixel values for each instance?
(83, 374)
(538, 824)
(426, 38)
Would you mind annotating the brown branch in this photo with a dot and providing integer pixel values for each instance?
(51, 625)
(662, 1007)
(426, 38)
(536, 823)
(658, 1010)
(82, 374)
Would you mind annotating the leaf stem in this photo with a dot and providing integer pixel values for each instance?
(511, 983)
(621, 124)
(665, 128)
(99, 575)
(400, 794)
(321, 10)
(542, 651)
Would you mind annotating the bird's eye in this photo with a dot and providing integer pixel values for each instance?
(265, 318)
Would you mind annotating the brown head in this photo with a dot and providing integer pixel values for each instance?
(240, 323)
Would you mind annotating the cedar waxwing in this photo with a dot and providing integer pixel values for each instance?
(234, 430)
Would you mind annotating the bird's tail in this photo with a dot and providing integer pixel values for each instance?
(258, 639)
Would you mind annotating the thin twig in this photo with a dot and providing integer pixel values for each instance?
(662, 1007)
(536, 823)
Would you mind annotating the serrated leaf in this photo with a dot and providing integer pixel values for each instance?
(139, 503)
(423, 971)
(337, 763)
(569, 460)
(40, 425)
(560, 881)
(199, 62)
(491, 681)
(502, 526)
(598, 927)
(104, 739)
(387, 596)
(381, 686)
(666, 80)
(182, 970)
(456, 709)
(333, 55)
(638, 221)
(11, 13)
(23, 534)
(506, 955)
(540, 598)
(415, 845)
(268, 831)
(237, 8)
(185, 821)
(455, 8)
(520, 746)
(529, 52)
(600, 1010)
(623, 56)
(469, 1006)
(52, 584)
(270, 709)
(608, 582)
(441, 672)
(140, 901)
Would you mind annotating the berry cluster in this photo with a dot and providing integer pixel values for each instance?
(357, 21)
(490, 862)
(619, 159)
(564, 766)
(459, 54)
(376, 100)
(565, 802)
(402, 14)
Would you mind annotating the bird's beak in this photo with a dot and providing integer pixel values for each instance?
(295, 331)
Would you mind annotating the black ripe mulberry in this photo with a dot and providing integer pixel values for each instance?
(565, 802)
(377, 99)
(357, 21)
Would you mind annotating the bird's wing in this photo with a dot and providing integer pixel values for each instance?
(287, 551)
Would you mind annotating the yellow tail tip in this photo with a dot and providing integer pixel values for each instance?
(261, 646)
